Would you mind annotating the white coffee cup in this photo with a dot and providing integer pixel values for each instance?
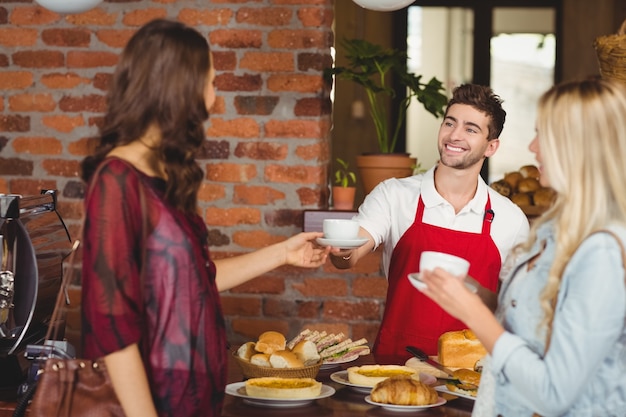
(429, 260)
(340, 229)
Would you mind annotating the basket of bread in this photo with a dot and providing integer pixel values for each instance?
(524, 189)
(270, 357)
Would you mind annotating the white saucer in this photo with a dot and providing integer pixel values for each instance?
(238, 389)
(342, 244)
(341, 377)
(392, 407)
(414, 279)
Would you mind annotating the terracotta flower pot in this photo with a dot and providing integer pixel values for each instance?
(378, 167)
(343, 198)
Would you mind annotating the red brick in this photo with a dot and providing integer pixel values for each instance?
(37, 145)
(71, 210)
(317, 151)
(252, 328)
(91, 59)
(298, 128)
(219, 107)
(18, 36)
(32, 103)
(4, 60)
(236, 38)
(14, 123)
(295, 82)
(66, 37)
(142, 16)
(32, 16)
(264, 151)
(102, 81)
(27, 186)
(284, 217)
(61, 167)
(297, 39)
(116, 38)
(206, 17)
(315, 17)
(316, 62)
(259, 105)
(264, 16)
(14, 80)
(344, 310)
(224, 60)
(300, 174)
(309, 309)
(82, 147)
(39, 59)
(279, 308)
(59, 80)
(238, 83)
(267, 61)
(93, 17)
(261, 285)
(365, 330)
(230, 172)
(313, 107)
(255, 239)
(315, 287)
(232, 216)
(312, 197)
(211, 192)
(370, 287)
(90, 103)
(240, 306)
(4, 187)
(63, 123)
(237, 128)
(256, 195)
(15, 166)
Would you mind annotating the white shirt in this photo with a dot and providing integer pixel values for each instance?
(389, 210)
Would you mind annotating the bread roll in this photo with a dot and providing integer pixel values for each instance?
(261, 359)
(403, 390)
(529, 171)
(460, 349)
(527, 185)
(521, 199)
(513, 178)
(370, 375)
(285, 359)
(246, 351)
(270, 342)
(502, 187)
(544, 197)
(306, 351)
(272, 387)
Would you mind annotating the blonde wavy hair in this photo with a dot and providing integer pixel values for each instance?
(581, 129)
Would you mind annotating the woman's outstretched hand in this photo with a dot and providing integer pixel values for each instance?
(304, 252)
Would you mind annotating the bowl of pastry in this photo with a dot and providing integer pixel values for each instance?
(270, 357)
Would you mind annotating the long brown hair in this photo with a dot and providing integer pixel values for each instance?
(160, 80)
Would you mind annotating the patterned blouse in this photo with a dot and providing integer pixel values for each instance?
(154, 287)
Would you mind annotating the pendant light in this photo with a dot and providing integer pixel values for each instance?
(68, 6)
(383, 5)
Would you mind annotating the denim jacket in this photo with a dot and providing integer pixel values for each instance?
(583, 374)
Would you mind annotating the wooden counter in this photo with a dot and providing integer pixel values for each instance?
(344, 403)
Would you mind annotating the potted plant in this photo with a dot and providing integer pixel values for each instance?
(372, 67)
(344, 189)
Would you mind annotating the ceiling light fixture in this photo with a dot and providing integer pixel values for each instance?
(383, 5)
(68, 6)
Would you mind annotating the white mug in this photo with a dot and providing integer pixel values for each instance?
(455, 265)
(340, 229)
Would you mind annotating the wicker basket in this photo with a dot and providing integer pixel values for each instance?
(611, 54)
(253, 371)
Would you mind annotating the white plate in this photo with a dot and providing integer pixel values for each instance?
(342, 244)
(238, 389)
(443, 388)
(341, 377)
(392, 407)
(414, 279)
(336, 364)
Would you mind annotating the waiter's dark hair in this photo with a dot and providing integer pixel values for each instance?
(160, 80)
(481, 98)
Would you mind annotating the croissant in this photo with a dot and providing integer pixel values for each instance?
(403, 390)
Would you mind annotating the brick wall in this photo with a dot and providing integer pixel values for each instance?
(267, 151)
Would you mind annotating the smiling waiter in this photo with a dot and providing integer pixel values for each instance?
(448, 209)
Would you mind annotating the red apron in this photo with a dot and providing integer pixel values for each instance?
(410, 317)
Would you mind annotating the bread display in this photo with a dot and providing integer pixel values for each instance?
(273, 387)
(285, 359)
(403, 390)
(466, 382)
(370, 375)
(460, 349)
(524, 189)
(270, 342)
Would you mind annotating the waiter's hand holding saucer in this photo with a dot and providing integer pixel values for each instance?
(348, 241)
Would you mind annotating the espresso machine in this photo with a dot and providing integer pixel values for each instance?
(34, 241)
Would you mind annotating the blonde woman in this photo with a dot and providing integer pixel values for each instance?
(558, 338)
